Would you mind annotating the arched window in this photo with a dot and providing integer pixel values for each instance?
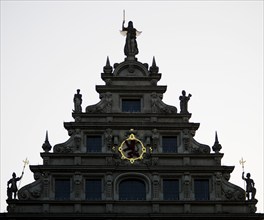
(132, 189)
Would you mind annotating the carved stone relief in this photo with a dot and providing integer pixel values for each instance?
(108, 186)
(199, 148)
(186, 187)
(218, 183)
(156, 186)
(231, 191)
(104, 106)
(73, 144)
(108, 137)
(77, 181)
(158, 106)
(155, 139)
(186, 140)
(32, 191)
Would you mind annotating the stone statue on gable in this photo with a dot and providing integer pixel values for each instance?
(131, 34)
(77, 102)
(184, 102)
(12, 186)
(250, 188)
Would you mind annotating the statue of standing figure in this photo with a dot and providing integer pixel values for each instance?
(184, 102)
(12, 190)
(250, 188)
(131, 48)
(77, 102)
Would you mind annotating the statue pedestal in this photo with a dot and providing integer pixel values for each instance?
(131, 58)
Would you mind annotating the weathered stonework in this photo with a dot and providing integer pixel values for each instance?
(151, 124)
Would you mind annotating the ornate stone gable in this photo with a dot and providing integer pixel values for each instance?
(132, 155)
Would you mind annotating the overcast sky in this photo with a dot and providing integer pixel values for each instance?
(212, 49)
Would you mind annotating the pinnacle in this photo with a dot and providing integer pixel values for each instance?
(46, 145)
(154, 69)
(108, 68)
(216, 147)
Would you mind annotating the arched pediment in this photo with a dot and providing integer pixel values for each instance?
(128, 68)
(132, 176)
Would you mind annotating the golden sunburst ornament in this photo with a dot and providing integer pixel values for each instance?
(132, 149)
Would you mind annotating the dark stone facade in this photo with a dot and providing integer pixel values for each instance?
(122, 139)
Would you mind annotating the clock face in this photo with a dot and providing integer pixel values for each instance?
(132, 149)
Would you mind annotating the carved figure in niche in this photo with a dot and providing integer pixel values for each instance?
(12, 190)
(131, 36)
(184, 102)
(250, 188)
(77, 102)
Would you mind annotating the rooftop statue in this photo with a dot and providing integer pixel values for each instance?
(131, 34)
(184, 102)
(13, 188)
(77, 102)
(250, 188)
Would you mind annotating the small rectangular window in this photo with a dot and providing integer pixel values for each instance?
(93, 189)
(62, 189)
(94, 144)
(171, 189)
(169, 144)
(201, 189)
(131, 105)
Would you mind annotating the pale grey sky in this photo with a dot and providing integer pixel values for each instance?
(212, 49)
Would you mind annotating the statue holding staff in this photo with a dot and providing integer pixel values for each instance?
(12, 183)
(131, 34)
(12, 190)
(250, 188)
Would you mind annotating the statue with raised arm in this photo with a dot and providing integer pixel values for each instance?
(12, 186)
(131, 48)
(77, 102)
(184, 102)
(250, 188)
